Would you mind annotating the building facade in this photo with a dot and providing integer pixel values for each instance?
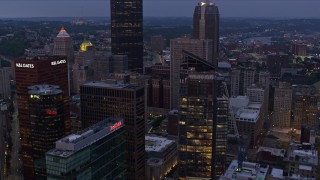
(305, 106)
(162, 156)
(197, 123)
(50, 70)
(281, 116)
(127, 31)
(97, 152)
(48, 120)
(5, 90)
(201, 48)
(206, 26)
(100, 100)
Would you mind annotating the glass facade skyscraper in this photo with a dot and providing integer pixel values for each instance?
(101, 100)
(48, 121)
(203, 120)
(206, 25)
(127, 31)
(97, 152)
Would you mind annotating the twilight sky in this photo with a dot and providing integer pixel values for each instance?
(228, 8)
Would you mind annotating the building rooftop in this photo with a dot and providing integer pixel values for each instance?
(239, 101)
(156, 143)
(114, 84)
(245, 114)
(44, 89)
(277, 173)
(75, 142)
(273, 151)
(253, 171)
(63, 33)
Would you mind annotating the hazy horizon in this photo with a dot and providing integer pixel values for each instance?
(161, 8)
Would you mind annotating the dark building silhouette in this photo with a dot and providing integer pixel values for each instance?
(275, 62)
(49, 70)
(206, 26)
(126, 31)
(47, 117)
(157, 43)
(100, 100)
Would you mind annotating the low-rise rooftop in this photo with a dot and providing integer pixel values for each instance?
(249, 171)
(156, 143)
(75, 142)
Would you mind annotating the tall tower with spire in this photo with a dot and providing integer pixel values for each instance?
(206, 25)
(63, 45)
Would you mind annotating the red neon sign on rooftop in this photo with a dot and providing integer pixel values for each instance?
(115, 126)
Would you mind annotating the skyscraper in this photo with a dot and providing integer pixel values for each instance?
(200, 48)
(48, 120)
(126, 31)
(206, 25)
(100, 100)
(63, 45)
(197, 124)
(51, 70)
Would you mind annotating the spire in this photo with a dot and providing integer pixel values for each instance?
(63, 33)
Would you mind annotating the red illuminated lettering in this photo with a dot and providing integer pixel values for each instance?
(115, 126)
(51, 112)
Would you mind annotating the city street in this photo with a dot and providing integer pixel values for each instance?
(15, 169)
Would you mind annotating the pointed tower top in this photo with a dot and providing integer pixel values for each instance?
(63, 33)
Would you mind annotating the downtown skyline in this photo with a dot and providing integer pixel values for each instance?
(160, 8)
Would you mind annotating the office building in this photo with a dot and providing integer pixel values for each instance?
(162, 156)
(48, 122)
(305, 104)
(301, 161)
(281, 116)
(119, 64)
(247, 117)
(5, 90)
(173, 120)
(4, 130)
(277, 61)
(97, 152)
(100, 100)
(249, 171)
(158, 43)
(206, 25)
(127, 31)
(158, 88)
(41, 70)
(200, 48)
(63, 46)
(197, 123)
(308, 134)
(299, 49)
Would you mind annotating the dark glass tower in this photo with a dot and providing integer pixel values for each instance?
(206, 25)
(48, 123)
(126, 31)
(100, 100)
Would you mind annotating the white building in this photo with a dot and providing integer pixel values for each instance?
(249, 171)
(162, 156)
